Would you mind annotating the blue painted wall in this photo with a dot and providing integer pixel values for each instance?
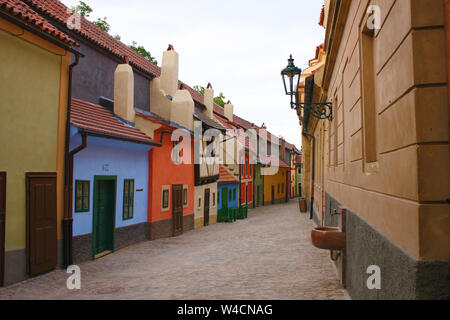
(232, 186)
(126, 161)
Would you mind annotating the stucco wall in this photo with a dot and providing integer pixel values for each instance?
(234, 187)
(199, 198)
(402, 195)
(258, 182)
(163, 172)
(275, 180)
(94, 77)
(29, 108)
(125, 161)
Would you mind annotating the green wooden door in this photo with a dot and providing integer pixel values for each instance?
(104, 214)
(225, 198)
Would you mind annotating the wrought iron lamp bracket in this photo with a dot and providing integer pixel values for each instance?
(320, 110)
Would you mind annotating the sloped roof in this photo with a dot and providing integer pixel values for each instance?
(281, 164)
(225, 175)
(207, 121)
(95, 119)
(22, 11)
(59, 12)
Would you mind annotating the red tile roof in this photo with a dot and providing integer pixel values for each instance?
(272, 160)
(96, 119)
(91, 32)
(225, 175)
(22, 11)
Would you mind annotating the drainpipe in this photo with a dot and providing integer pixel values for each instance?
(313, 169)
(67, 223)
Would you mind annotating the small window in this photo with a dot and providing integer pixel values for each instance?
(230, 195)
(214, 199)
(165, 198)
(185, 196)
(82, 193)
(278, 188)
(234, 194)
(199, 202)
(128, 199)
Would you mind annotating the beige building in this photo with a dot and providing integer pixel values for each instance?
(385, 155)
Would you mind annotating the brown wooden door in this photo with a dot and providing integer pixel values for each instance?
(41, 223)
(206, 208)
(273, 194)
(177, 209)
(2, 224)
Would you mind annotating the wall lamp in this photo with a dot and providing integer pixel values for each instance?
(291, 79)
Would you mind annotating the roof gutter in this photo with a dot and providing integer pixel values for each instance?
(93, 133)
(39, 33)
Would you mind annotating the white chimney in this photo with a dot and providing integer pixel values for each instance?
(169, 71)
(124, 91)
(209, 101)
(229, 110)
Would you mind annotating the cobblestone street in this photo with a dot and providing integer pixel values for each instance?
(268, 256)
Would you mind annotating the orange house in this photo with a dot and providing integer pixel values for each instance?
(171, 185)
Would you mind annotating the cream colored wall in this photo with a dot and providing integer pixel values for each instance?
(181, 108)
(404, 193)
(199, 193)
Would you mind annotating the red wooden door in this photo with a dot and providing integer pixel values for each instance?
(41, 223)
(177, 209)
(2, 225)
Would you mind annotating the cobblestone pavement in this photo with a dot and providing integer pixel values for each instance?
(267, 256)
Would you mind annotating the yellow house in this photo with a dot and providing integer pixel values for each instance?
(383, 160)
(34, 64)
(276, 175)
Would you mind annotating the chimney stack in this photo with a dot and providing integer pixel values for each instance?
(124, 91)
(229, 110)
(209, 101)
(169, 71)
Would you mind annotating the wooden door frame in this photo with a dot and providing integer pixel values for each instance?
(175, 234)
(29, 176)
(3, 232)
(204, 206)
(94, 210)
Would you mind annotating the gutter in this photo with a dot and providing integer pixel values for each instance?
(313, 169)
(68, 177)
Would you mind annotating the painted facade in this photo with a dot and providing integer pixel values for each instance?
(228, 195)
(34, 111)
(390, 122)
(246, 181)
(258, 188)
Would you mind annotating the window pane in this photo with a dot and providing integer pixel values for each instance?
(86, 203)
(79, 191)
(165, 199)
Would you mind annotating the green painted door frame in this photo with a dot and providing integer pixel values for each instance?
(111, 208)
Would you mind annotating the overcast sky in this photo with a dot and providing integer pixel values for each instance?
(240, 46)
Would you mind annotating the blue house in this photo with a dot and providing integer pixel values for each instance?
(111, 181)
(228, 195)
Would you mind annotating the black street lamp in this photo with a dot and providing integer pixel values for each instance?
(291, 80)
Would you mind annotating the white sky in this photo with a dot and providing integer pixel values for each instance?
(240, 46)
